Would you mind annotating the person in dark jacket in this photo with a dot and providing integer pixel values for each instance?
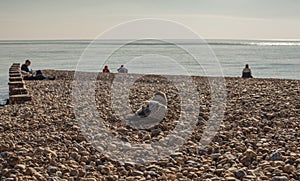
(28, 74)
(247, 72)
(25, 68)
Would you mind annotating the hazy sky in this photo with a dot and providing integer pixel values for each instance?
(85, 19)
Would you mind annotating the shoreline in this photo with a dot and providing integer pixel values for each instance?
(67, 74)
(70, 72)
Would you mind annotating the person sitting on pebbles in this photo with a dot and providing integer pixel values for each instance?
(28, 74)
(122, 69)
(106, 70)
(247, 72)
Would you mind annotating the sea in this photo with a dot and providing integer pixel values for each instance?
(266, 58)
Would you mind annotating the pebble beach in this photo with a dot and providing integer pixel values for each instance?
(259, 138)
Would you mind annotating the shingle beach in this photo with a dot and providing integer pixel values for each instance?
(259, 138)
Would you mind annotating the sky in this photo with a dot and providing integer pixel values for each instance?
(211, 19)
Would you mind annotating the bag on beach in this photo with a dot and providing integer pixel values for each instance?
(38, 72)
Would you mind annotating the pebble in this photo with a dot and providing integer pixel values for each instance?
(155, 132)
(13, 160)
(52, 170)
(280, 178)
(240, 174)
(289, 168)
(230, 179)
(20, 166)
(74, 173)
(248, 157)
(275, 156)
(91, 179)
(137, 173)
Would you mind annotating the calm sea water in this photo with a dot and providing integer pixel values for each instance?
(267, 59)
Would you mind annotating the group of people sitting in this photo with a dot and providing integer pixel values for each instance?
(29, 74)
(122, 69)
(245, 74)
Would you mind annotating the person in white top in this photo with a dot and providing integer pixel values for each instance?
(247, 72)
(122, 69)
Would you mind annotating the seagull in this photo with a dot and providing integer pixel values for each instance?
(151, 113)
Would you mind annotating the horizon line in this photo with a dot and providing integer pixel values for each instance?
(86, 39)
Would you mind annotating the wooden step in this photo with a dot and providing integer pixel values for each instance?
(19, 99)
(15, 79)
(14, 68)
(14, 72)
(17, 84)
(15, 75)
(16, 91)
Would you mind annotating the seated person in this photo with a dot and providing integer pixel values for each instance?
(106, 69)
(122, 69)
(246, 72)
(28, 74)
